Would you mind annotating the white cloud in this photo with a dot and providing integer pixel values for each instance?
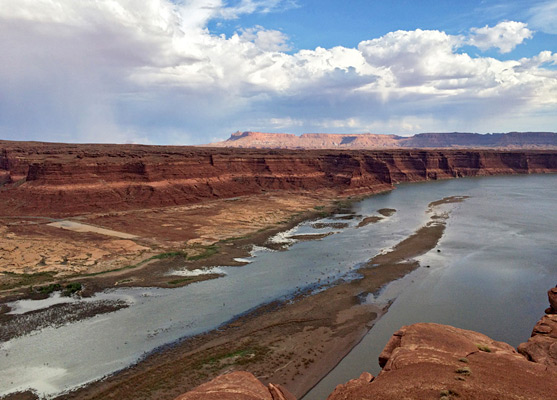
(145, 70)
(505, 36)
(266, 40)
(543, 17)
(252, 6)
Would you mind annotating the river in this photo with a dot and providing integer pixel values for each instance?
(497, 260)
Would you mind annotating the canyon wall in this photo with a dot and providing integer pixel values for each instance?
(511, 140)
(65, 179)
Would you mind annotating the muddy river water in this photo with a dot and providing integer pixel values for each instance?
(498, 257)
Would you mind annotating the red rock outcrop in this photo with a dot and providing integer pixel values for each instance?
(237, 386)
(435, 361)
(67, 179)
(511, 140)
(542, 345)
(432, 361)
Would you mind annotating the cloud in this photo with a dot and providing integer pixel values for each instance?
(266, 40)
(253, 6)
(149, 70)
(505, 36)
(543, 17)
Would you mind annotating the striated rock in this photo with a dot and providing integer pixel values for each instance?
(261, 140)
(233, 386)
(280, 393)
(428, 361)
(343, 391)
(237, 386)
(542, 345)
(69, 179)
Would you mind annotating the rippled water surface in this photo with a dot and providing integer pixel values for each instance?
(497, 260)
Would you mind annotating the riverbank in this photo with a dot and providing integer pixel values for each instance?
(294, 342)
(198, 236)
(159, 270)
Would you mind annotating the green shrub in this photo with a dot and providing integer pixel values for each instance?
(48, 289)
(483, 347)
(463, 371)
(71, 288)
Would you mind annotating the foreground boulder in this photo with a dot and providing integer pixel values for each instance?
(542, 346)
(431, 361)
(237, 386)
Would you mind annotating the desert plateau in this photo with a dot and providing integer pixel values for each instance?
(278, 200)
(84, 224)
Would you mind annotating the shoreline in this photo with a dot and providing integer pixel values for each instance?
(149, 269)
(280, 230)
(280, 341)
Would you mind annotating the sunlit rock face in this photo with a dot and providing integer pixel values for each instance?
(64, 179)
(512, 140)
(542, 346)
(237, 386)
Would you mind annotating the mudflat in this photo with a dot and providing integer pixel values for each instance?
(90, 247)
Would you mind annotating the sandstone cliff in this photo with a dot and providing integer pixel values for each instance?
(65, 179)
(432, 361)
(511, 140)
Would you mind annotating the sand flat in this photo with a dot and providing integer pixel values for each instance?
(80, 227)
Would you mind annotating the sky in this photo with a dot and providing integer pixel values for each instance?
(195, 71)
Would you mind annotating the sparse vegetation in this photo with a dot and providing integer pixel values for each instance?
(113, 270)
(179, 281)
(234, 238)
(463, 359)
(71, 288)
(163, 256)
(463, 371)
(448, 393)
(208, 252)
(483, 347)
(237, 357)
(160, 256)
(48, 289)
(67, 290)
(17, 280)
(344, 205)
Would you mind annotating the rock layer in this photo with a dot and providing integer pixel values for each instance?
(237, 386)
(67, 179)
(261, 140)
(425, 361)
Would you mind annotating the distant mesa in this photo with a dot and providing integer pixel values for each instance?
(511, 140)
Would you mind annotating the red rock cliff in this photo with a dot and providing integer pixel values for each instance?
(65, 179)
